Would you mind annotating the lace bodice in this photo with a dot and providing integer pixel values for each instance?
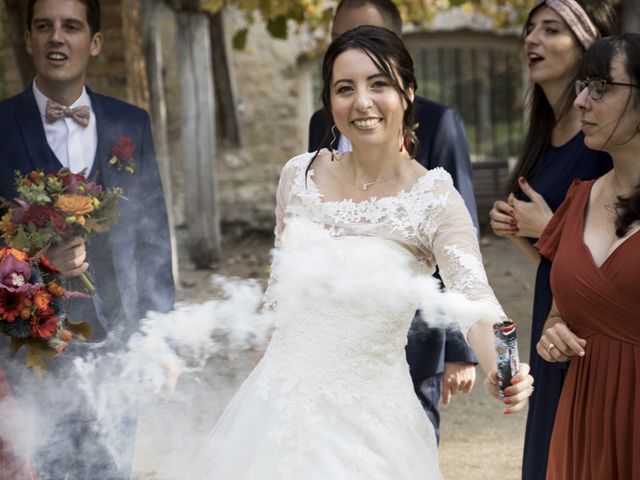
(429, 220)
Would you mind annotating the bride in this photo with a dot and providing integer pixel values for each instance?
(357, 239)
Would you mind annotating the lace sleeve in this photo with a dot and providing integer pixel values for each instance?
(454, 245)
(283, 192)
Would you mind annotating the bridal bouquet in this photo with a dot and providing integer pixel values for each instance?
(31, 311)
(55, 207)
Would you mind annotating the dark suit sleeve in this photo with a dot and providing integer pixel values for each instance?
(156, 287)
(450, 150)
(456, 348)
(317, 131)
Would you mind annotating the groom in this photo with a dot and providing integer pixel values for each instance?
(440, 361)
(58, 122)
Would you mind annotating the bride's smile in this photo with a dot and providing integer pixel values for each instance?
(366, 104)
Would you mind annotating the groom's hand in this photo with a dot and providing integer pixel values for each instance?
(172, 369)
(69, 257)
(458, 377)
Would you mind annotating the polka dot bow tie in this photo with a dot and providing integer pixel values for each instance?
(55, 111)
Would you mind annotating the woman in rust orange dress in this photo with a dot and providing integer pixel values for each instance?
(594, 243)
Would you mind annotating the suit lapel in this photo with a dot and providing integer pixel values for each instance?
(109, 177)
(103, 127)
(33, 136)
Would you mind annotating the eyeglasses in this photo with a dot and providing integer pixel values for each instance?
(596, 88)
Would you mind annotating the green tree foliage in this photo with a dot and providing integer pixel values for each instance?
(277, 14)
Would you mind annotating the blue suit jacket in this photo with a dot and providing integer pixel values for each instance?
(131, 264)
(443, 143)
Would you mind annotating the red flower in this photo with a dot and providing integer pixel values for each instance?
(78, 183)
(60, 225)
(123, 155)
(123, 149)
(44, 262)
(11, 304)
(44, 326)
(40, 215)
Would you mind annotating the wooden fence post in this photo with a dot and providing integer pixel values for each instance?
(199, 137)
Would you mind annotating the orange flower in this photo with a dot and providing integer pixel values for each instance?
(74, 204)
(42, 300)
(18, 254)
(25, 313)
(55, 289)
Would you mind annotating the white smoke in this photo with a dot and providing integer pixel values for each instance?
(209, 343)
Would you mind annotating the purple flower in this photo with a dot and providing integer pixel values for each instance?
(14, 274)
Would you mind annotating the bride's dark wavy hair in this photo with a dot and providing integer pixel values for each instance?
(597, 65)
(388, 53)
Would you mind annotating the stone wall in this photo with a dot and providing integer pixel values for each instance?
(273, 106)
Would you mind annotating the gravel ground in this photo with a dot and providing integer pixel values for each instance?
(478, 441)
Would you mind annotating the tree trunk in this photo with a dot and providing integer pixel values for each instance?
(158, 111)
(226, 118)
(198, 138)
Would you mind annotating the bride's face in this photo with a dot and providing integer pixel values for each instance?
(366, 106)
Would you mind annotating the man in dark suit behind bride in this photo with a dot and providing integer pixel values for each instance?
(440, 361)
(56, 122)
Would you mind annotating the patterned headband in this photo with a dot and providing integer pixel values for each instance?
(576, 18)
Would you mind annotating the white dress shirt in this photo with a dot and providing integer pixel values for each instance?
(74, 145)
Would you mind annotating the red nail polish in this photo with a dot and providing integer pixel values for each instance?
(521, 180)
(507, 401)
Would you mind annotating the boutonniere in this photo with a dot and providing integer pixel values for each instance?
(122, 157)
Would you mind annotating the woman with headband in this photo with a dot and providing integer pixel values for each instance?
(594, 242)
(556, 35)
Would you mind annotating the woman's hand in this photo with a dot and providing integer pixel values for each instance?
(69, 258)
(558, 343)
(532, 217)
(517, 394)
(503, 222)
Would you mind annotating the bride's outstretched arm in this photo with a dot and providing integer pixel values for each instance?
(457, 253)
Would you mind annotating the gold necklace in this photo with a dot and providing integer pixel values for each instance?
(365, 185)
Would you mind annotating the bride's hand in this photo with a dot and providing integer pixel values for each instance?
(517, 394)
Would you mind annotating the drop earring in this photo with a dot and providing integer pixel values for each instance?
(334, 138)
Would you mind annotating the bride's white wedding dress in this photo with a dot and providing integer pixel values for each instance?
(332, 398)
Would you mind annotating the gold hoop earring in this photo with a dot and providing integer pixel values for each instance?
(334, 150)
